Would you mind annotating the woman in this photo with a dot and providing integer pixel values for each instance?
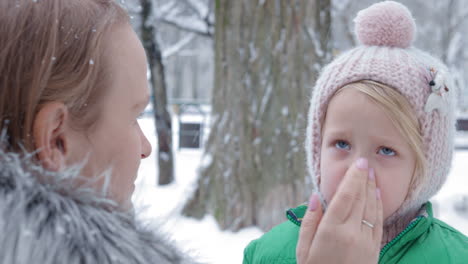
(73, 82)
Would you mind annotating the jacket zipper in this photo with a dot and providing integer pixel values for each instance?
(293, 218)
(391, 243)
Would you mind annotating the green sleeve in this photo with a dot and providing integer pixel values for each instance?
(249, 252)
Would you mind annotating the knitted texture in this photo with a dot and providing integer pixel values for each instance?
(386, 31)
(385, 24)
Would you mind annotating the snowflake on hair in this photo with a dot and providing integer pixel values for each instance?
(436, 99)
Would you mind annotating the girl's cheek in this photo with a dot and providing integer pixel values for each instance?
(333, 169)
(387, 162)
(334, 153)
(339, 154)
(330, 183)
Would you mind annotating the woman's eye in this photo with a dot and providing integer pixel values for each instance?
(387, 151)
(340, 144)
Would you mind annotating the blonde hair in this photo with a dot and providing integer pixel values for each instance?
(400, 113)
(52, 50)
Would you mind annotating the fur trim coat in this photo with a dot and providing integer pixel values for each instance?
(52, 222)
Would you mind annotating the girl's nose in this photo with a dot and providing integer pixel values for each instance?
(362, 163)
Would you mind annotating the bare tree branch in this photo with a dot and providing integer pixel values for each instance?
(341, 10)
(166, 9)
(200, 23)
(178, 46)
(189, 27)
(200, 8)
(460, 19)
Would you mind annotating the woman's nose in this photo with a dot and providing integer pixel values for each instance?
(146, 147)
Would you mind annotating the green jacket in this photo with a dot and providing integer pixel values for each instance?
(425, 240)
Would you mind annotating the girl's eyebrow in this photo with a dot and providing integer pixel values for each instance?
(387, 140)
(337, 133)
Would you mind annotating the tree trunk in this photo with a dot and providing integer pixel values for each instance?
(159, 92)
(267, 57)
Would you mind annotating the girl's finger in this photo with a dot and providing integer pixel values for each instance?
(370, 211)
(349, 199)
(378, 226)
(309, 225)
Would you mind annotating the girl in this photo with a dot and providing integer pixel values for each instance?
(390, 107)
(72, 83)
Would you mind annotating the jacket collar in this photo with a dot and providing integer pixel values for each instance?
(49, 221)
(411, 230)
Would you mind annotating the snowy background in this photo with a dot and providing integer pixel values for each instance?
(184, 34)
(161, 207)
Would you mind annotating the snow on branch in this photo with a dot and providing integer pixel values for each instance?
(192, 15)
(315, 40)
(341, 5)
(199, 7)
(458, 19)
(455, 46)
(177, 46)
(166, 9)
(190, 24)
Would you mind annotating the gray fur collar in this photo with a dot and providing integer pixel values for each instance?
(52, 223)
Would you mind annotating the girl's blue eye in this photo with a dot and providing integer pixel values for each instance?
(340, 144)
(387, 151)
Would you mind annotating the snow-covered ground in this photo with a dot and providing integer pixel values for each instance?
(161, 206)
(461, 141)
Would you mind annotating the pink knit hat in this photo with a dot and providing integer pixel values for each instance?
(386, 31)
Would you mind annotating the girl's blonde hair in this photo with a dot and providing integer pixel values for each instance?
(400, 112)
(52, 50)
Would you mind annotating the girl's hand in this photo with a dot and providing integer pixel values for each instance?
(351, 229)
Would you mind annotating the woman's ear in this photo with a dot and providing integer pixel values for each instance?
(50, 135)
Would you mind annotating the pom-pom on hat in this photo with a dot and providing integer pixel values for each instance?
(386, 31)
(385, 24)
